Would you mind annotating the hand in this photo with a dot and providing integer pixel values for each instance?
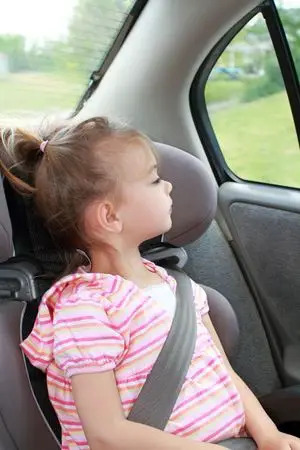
(279, 441)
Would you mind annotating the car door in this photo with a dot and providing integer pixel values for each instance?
(245, 104)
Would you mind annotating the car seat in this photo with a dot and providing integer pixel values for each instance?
(27, 420)
(6, 248)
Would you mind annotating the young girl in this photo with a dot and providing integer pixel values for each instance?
(100, 329)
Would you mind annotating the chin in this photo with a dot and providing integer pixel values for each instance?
(158, 232)
(164, 227)
(168, 227)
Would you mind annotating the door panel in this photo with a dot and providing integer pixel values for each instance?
(264, 222)
(211, 262)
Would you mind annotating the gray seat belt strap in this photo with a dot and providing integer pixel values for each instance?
(158, 396)
(239, 444)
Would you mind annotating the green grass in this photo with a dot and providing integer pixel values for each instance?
(259, 141)
(36, 92)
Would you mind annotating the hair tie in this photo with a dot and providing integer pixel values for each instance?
(43, 146)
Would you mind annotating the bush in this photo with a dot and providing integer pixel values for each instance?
(14, 47)
(270, 83)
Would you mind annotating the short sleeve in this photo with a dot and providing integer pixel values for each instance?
(85, 339)
(200, 299)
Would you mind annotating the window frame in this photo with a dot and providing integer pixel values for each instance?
(198, 105)
(97, 75)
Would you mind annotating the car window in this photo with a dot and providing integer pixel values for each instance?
(48, 51)
(249, 109)
(290, 18)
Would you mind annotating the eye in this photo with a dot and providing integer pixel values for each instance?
(158, 180)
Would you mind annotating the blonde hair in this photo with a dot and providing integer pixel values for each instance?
(78, 165)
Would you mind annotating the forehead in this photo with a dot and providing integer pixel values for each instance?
(137, 158)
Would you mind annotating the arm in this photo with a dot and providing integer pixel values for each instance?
(258, 423)
(98, 404)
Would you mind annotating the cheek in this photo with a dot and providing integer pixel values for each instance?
(143, 202)
(136, 205)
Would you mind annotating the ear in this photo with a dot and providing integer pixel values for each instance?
(107, 217)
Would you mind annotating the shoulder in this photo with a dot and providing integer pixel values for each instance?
(199, 293)
(200, 298)
(89, 289)
(198, 290)
(163, 273)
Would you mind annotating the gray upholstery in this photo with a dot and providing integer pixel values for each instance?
(211, 262)
(283, 405)
(6, 244)
(273, 260)
(6, 442)
(19, 412)
(224, 320)
(239, 444)
(194, 194)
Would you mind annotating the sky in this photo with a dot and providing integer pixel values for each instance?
(36, 19)
(43, 19)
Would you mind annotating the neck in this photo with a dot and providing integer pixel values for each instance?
(127, 263)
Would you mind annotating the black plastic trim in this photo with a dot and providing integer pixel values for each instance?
(18, 279)
(97, 75)
(167, 255)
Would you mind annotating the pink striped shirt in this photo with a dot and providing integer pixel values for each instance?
(93, 322)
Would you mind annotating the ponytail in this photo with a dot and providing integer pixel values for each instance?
(19, 149)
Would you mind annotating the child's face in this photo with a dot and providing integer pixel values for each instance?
(146, 204)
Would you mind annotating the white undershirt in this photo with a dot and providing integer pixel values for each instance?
(164, 295)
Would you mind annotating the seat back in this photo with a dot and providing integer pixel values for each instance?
(6, 246)
(20, 415)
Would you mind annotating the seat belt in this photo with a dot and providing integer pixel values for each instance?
(162, 387)
(158, 396)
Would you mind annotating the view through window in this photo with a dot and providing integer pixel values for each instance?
(48, 51)
(248, 104)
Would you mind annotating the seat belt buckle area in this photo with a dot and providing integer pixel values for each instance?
(167, 255)
(19, 279)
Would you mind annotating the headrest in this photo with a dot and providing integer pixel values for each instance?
(6, 244)
(194, 205)
(194, 194)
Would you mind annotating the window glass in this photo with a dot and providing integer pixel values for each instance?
(48, 51)
(250, 111)
(289, 12)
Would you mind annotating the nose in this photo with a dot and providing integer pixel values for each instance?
(169, 187)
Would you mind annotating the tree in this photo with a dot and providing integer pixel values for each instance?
(52, 56)
(93, 27)
(13, 46)
(291, 22)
